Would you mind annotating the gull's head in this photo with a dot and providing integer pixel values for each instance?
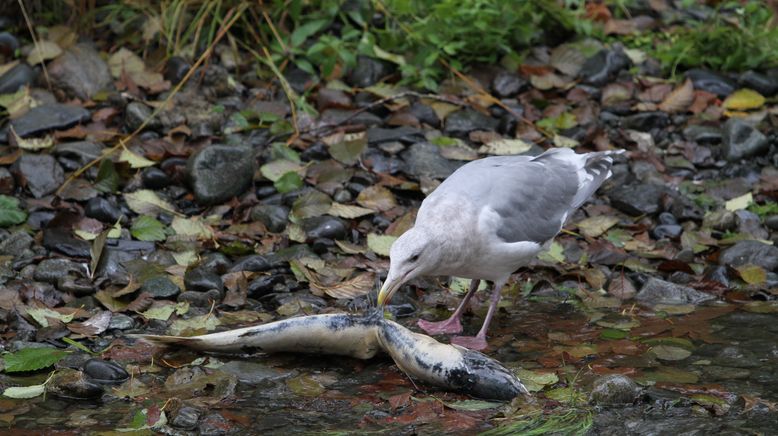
(412, 255)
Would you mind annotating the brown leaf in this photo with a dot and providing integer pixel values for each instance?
(141, 303)
(351, 288)
(93, 326)
(376, 198)
(680, 99)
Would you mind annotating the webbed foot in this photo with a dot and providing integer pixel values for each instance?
(477, 343)
(449, 326)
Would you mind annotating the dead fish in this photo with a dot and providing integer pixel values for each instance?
(362, 336)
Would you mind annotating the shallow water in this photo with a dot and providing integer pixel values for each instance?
(727, 385)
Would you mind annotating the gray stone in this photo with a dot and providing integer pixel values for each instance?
(711, 82)
(751, 252)
(75, 285)
(105, 371)
(41, 119)
(424, 160)
(253, 263)
(81, 72)
(645, 121)
(507, 84)
(185, 418)
(16, 244)
(406, 134)
(136, 113)
(15, 78)
(368, 72)
(765, 85)
(741, 140)
(464, 121)
(274, 217)
(82, 151)
(702, 134)
(200, 299)
(636, 199)
(614, 389)
(71, 383)
(600, 67)
(220, 172)
(199, 279)
(772, 222)
(120, 321)
(656, 291)
(749, 223)
(103, 210)
(51, 270)
(40, 173)
(160, 287)
(324, 226)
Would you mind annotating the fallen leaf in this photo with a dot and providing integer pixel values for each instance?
(668, 352)
(504, 147)
(135, 160)
(147, 202)
(680, 99)
(24, 392)
(596, 225)
(348, 211)
(380, 244)
(739, 203)
(376, 198)
(42, 51)
(93, 326)
(358, 286)
(743, 99)
(752, 274)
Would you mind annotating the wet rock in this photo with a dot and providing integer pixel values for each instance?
(645, 121)
(155, 178)
(702, 134)
(614, 389)
(73, 384)
(220, 172)
(41, 119)
(605, 64)
(299, 80)
(771, 222)
(105, 371)
(324, 226)
(7, 182)
(333, 98)
(103, 210)
(725, 373)
(81, 151)
(176, 69)
(404, 134)
(136, 113)
(656, 291)
(425, 114)
(62, 241)
(160, 287)
(741, 140)
(111, 264)
(185, 418)
(252, 263)
(765, 85)
(79, 286)
(215, 262)
(711, 82)
(41, 174)
(201, 280)
(368, 72)
(18, 76)
(717, 273)
(751, 252)
(507, 84)
(200, 299)
(636, 199)
(9, 44)
(340, 116)
(263, 285)
(51, 270)
(464, 121)
(120, 321)
(16, 244)
(424, 160)
(274, 217)
(214, 424)
(81, 72)
(663, 231)
(749, 223)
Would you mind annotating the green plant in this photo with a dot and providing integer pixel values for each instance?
(738, 37)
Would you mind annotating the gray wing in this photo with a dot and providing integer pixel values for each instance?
(533, 196)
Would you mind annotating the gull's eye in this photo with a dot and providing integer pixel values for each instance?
(414, 258)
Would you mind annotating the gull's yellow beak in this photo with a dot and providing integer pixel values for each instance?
(386, 292)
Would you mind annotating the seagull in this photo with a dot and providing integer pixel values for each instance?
(487, 219)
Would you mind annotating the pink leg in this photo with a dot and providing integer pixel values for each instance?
(478, 342)
(453, 324)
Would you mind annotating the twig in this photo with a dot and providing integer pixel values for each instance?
(35, 41)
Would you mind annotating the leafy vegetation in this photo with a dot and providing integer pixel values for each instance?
(743, 38)
(32, 359)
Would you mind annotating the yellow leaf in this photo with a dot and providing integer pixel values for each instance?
(738, 203)
(744, 99)
(752, 274)
(135, 160)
